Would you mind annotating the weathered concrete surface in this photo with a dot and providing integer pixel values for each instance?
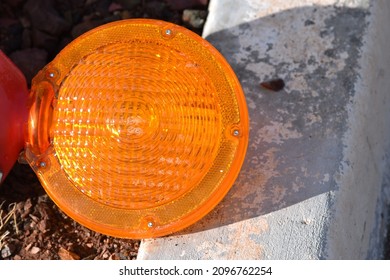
(315, 183)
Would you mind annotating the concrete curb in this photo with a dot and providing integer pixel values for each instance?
(315, 183)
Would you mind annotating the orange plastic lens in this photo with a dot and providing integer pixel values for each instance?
(138, 128)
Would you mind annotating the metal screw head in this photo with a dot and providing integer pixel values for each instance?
(168, 32)
(42, 164)
(236, 132)
(51, 75)
(150, 224)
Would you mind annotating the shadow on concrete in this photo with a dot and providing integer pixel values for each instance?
(295, 147)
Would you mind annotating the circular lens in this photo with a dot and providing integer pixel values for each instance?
(133, 132)
(142, 128)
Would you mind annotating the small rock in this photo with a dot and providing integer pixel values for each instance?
(33, 224)
(7, 250)
(28, 247)
(67, 255)
(35, 250)
(42, 225)
(24, 208)
(115, 7)
(34, 218)
(114, 257)
(19, 207)
(194, 18)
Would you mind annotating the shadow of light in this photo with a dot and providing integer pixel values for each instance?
(295, 147)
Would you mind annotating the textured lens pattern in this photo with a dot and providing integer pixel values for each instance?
(136, 124)
(137, 128)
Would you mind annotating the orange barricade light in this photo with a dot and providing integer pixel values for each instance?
(137, 128)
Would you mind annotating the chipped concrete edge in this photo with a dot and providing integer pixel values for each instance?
(358, 226)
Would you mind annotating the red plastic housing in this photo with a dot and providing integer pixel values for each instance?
(13, 113)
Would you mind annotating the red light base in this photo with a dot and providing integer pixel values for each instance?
(13, 114)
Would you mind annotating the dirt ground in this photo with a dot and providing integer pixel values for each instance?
(32, 32)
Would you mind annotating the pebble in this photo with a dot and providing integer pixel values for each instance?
(27, 205)
(28, 247)
(67, 255)
(35, 250)
(42, 226)
(7, 250)
(115, 7)
(194, 18)
(114, 257)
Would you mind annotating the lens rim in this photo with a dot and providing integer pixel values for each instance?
(146, 223)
